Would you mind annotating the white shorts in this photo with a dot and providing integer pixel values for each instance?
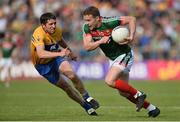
(5, 62)
(124, 62)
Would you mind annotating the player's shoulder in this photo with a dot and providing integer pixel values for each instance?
(85, 28)
(38, 31)
(110, 19)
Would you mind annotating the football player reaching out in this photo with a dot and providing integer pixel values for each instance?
(50, 61)
(97, 33)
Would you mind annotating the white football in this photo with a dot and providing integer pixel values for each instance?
(119, 33)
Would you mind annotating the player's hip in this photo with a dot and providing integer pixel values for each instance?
(50, 70)
(6, 62)
(123, 61)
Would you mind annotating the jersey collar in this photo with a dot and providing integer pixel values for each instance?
(99, 22)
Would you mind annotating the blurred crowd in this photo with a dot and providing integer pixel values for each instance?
(157, 34)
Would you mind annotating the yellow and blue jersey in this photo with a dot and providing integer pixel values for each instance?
(50, 43)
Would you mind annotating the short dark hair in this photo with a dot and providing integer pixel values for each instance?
(46, 16)
(91, 11)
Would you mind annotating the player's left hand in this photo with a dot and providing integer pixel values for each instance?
(127, 40)
(72, 56)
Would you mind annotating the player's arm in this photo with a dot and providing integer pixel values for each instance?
(38, 41)
(131, 21)
(89, 44)
(42, 53)
(64, 45)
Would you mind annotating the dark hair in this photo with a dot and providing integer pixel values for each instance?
(45, 17)
(91, 11)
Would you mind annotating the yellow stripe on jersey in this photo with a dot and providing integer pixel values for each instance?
(40, 37)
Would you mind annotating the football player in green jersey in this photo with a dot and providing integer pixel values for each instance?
(7, 47)
(97, 33)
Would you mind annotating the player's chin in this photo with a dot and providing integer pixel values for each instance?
(52, 31)
(91, 28)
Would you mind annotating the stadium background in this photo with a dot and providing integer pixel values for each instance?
(157, 59)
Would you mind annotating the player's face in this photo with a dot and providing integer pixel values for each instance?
(91, 21)
(50, 26)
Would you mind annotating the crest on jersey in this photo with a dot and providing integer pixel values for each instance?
(38, 38)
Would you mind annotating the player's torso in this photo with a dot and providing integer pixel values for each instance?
(50, 42)
(111, 49)
(7, 48)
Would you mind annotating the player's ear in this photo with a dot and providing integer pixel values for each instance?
(43, 26)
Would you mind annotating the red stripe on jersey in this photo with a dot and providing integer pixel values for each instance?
(106, 32)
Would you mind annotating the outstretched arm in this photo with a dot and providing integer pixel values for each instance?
(64, 45)
(42, 53)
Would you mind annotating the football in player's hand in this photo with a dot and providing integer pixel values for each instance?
(119, 34)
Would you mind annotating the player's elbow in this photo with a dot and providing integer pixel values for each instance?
(40, 54)
(87, 48)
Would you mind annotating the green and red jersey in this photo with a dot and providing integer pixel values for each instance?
(112, 49)
(7, 48)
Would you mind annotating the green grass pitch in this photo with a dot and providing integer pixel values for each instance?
(40, 101)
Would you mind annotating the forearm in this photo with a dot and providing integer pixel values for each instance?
(48, 54)
(63, 44)
(132, 26)
(92, 45)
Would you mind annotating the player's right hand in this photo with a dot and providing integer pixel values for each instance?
(105, 39)
(65, 52)
(72, 56)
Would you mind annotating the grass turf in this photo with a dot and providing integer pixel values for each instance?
(41, 101)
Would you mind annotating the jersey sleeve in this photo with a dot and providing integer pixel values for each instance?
(37, 38)
(114, 21)
(85, 29)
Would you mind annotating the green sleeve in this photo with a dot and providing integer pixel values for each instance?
(113, 21)
(85, 29)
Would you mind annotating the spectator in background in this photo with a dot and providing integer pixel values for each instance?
(6, 48)
(3, 24)
(161, 44)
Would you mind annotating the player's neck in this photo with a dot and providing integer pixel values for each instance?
(99, 22)
(44, 29)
